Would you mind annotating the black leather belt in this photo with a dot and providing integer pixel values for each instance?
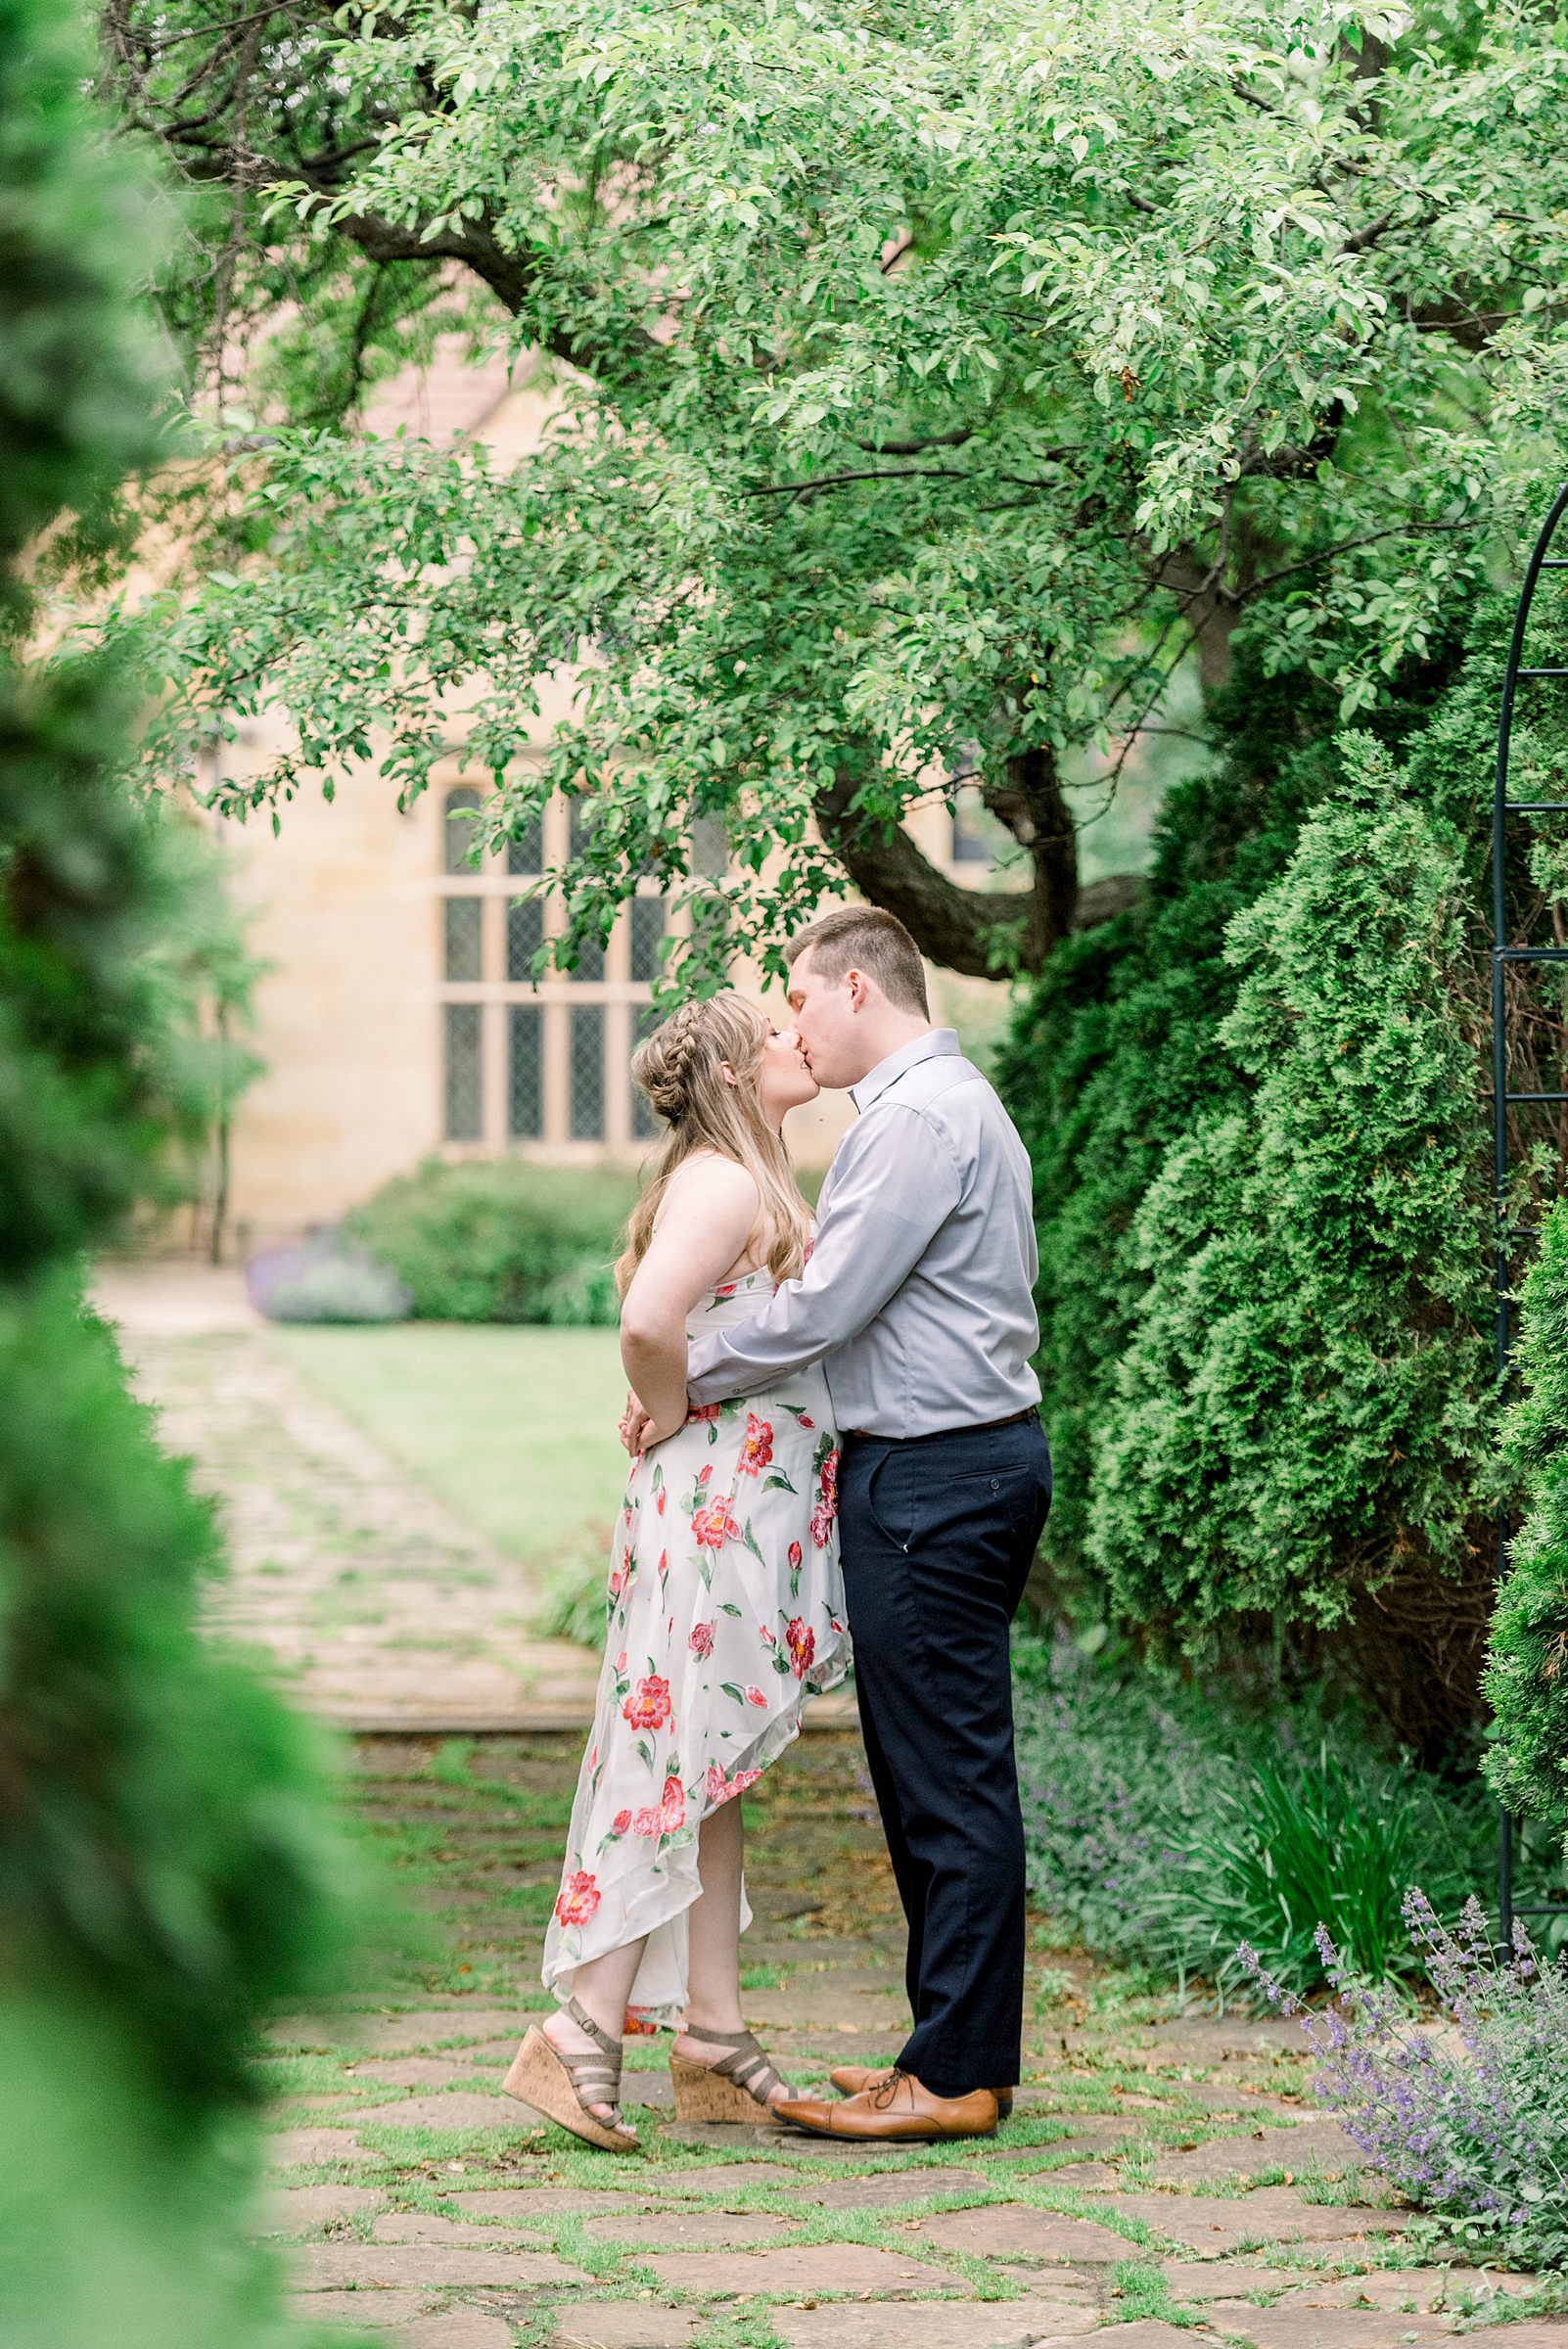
(940, 1435)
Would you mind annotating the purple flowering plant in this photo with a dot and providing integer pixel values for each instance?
(1470, 2124)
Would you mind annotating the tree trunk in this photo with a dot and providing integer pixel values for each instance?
(977, 933)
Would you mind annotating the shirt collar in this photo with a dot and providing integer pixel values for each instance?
(936, 1042)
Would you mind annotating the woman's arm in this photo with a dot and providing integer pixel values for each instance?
(704, 1220)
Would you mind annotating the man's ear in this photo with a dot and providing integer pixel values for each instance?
(860, 992)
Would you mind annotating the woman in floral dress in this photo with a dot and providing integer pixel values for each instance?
(726, 1607)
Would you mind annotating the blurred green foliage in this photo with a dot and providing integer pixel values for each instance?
(163, 1853)
(502, 1239)
(165, 1866)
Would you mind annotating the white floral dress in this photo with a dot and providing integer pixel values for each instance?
(727, 1613)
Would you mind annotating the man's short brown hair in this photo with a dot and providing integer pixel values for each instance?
(863, 937)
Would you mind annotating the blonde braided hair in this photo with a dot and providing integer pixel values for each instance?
(680, 1068)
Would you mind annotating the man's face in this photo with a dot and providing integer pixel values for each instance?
(826, 1025)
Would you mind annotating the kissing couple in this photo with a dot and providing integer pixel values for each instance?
(833, 1432)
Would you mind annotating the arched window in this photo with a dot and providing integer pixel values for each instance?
(458, 838)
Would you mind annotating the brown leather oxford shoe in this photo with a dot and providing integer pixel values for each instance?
(852, 2078)
(898, 2111)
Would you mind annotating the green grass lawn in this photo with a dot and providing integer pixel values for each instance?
(515, 1428)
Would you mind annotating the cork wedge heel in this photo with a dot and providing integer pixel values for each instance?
(562, 2088)
(736, 2089)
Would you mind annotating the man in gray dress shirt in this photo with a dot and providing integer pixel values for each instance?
(917, 1299)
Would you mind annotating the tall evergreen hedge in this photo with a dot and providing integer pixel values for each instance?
(164, 1865)
(1258, 1115)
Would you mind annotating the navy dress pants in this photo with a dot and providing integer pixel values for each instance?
(938, 1535)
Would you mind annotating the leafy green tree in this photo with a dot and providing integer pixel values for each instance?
(1528, 1765)
(929, 384)
(164, 1865)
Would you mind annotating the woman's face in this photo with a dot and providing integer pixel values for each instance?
(783, 1080)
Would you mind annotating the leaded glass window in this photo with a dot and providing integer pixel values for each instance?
(645, 1119)
(579, 824)
(525, 1073)
(591, 962)
(525, 935)
(464, 1077)
(465, 938)
(525, 853)
(585, 1072)
(647, 930)
(462, 812)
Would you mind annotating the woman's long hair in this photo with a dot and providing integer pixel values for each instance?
(680, 1069)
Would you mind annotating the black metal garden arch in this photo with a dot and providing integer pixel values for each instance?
(1509, 1236)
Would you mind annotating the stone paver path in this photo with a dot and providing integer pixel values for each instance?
(1162, 2174)
(376, 1604)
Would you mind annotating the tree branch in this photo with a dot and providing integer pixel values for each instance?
(958, 926)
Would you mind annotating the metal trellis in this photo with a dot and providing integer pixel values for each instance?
(1502, 1099)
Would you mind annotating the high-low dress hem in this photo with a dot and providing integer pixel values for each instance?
(724, 1585)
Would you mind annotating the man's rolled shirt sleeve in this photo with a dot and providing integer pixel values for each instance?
(894, 1182)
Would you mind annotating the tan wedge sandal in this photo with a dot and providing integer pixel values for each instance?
(564, 2087)
(735, 2089)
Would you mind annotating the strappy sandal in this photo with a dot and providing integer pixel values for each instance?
(735, 2089)
(564, 2087)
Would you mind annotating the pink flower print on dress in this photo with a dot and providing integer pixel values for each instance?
(700, 1642)
(705, 1473)
(728, 1289)
(755, 1696)
(703, 1410)
(658, 1500)
(713, 1526)
(834, 1624)
(665, 1817)
(621, 1822)
(648, 1705)
(801, 1641)
(795, 1558)
(827, 1507)
(765, 1636)
(578, 1898)
(805, 1422)
(757, 1446)
(721, 1789)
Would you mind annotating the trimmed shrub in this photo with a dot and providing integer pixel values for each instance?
(1302, 1403)
(502, 1239)
(1257, 1111)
